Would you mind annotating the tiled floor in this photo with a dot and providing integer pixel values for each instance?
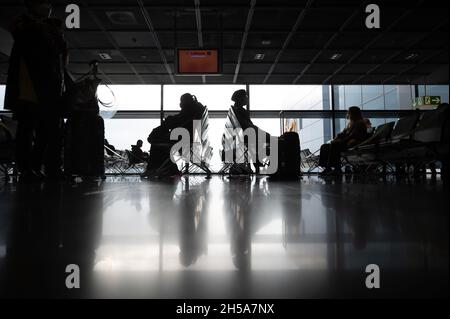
(220, 238)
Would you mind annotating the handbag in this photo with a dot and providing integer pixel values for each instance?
(81, 94)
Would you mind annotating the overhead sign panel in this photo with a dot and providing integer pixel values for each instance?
(198, 62)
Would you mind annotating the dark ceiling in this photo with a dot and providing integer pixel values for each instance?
(298, 39)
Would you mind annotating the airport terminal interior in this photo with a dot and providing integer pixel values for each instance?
(228, 227)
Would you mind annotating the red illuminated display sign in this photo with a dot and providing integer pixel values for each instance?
(198, 61)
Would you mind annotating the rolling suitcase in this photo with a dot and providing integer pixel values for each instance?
(288, 156)
(84, 146)
(85, 129)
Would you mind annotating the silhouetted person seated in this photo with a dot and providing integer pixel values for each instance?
(159, 138)
(240, 99)
(352, 135)
(34, 89)
(138, 155)
(110, 149)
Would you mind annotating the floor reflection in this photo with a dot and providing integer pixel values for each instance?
(50, 225)
(224, 237)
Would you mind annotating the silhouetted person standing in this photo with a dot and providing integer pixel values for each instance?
(34, 88)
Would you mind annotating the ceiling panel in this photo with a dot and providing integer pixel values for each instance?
(412, 41)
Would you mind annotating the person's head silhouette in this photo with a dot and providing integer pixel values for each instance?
(240, 98)
(187, 100)
(139, 143)
(354, 114)
(39, 8)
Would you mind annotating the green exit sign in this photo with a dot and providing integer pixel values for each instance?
(426, 100)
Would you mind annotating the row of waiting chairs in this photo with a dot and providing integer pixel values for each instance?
(417, 139)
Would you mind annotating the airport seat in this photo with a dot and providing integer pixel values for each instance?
(415, 140)
(200, 153)
(234, 153)
(115, 161)
(366, 152)
(382, 134)
(426, 141)
(405, 126)
(431, 127)
(309, 161)
(135, 164)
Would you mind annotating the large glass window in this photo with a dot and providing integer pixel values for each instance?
(131, 97)
(373, 97)
(353, 95)
(122, 133)
(271, 125)
(398, 97)
(2, 96)
(215, 97)
(313, 133)
(371, 92)
(435, 90)
(289, 97)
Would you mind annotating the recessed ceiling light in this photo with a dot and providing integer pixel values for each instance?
(266, 42)
(105, 56)
(121, 17)
(259, 56)
(411, 56)
(336, 56)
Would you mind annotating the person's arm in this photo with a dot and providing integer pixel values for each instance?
(172, 122)
(243, 118)
(340, 137)
(357, 134)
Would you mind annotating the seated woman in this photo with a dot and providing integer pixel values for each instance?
(352, 135)
(288, 156)
(159, 138)
(240, 99)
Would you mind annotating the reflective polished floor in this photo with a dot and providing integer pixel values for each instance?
(225, 238)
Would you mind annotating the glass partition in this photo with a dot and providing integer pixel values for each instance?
(131, 97)
(289, 97)
(122, 133)
(435, 90)
(2, 96)
(374, 97)
(124, 129)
